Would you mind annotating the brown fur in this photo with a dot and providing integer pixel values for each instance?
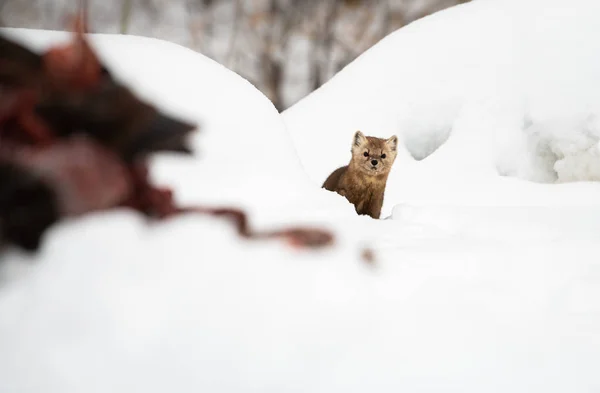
(361, 182)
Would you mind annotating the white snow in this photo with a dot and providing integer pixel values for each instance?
(483, 280)
(502, 88)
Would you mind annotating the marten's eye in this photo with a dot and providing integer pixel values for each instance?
(366, 154)
(383, 156)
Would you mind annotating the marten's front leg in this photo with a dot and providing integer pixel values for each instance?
(375, 207)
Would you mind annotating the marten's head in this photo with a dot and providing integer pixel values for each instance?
(373, 156)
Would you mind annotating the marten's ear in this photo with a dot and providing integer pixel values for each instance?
(358, 140)
(392, 143)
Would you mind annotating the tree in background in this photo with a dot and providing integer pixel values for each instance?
(286, 48)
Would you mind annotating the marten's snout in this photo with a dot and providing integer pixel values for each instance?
(374, 162)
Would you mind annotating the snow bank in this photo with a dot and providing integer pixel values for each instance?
(113, 303)
(244, 155)
(487, 89)
(456, 300)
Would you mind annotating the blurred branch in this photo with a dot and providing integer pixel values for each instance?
(2, 5)
(126, 8)
(237, 14)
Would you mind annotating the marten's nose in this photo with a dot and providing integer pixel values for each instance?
(374, 162)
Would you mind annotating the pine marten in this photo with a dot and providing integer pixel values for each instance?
(363, 181)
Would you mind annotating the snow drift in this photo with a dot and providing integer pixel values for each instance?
(96, 310)
(467, 300)
(243, 150)
(488, 89)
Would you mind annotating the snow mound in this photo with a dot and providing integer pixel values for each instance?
(114, 303)
(243, 154)
(450, 303)
(482, 90)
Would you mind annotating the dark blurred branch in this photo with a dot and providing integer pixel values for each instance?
(2, 5)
